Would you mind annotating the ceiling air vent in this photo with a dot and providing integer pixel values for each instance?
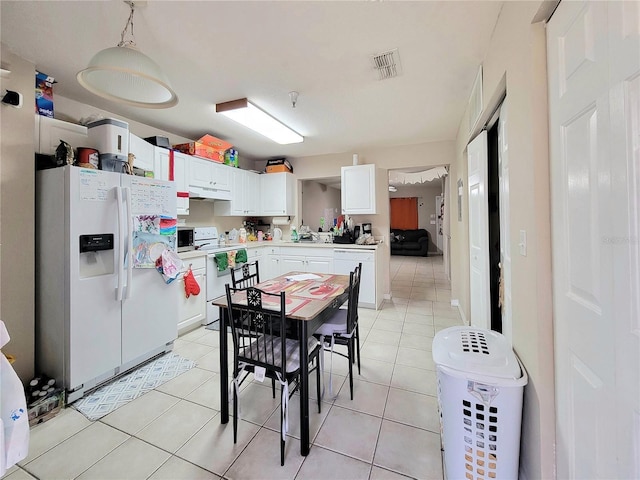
(387, 64)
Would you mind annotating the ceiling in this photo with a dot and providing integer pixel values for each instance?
(216, 51)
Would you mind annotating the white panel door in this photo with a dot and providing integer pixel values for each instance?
(594, 107)
(505, 222)
(477, 155)
(624, 83)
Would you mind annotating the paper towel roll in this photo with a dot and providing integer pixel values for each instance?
(280, 220)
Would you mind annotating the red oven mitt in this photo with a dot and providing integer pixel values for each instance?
(191, 286)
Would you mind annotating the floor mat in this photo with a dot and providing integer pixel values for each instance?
(122, 390)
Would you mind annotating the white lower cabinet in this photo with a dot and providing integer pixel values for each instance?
(192, 311)
(270, 266)
(306, 259)
(345, 262)
(278, 260)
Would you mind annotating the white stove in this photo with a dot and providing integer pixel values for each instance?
(207, 239)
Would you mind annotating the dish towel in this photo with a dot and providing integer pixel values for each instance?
(241, 256)
(231, 258)
(222, 261)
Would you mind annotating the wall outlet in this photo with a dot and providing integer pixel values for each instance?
(523, 243)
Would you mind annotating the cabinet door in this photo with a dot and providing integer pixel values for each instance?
(252, 193)
(293, 264)
(238, 193)
(51, 131)
(271, 267)
(144, 152)
(220, 176)
(180, 174)
(278, 194)
(358, 189)
(200, 173)
(319, 265)
(191, 310)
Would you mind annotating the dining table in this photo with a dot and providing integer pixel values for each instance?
(315, 299)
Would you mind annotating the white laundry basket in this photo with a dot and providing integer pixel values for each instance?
(480, 389)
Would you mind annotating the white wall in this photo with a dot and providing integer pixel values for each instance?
(431, 154)
(17, 211)
(317, 197)
(516, 60)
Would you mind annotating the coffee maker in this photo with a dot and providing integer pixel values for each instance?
(366, 228)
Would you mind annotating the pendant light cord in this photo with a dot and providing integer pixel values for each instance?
(129, 24)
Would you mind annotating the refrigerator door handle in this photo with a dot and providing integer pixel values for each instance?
(129, 222)
(121, 255)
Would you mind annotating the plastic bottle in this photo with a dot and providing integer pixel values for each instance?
(222, 240)
(294, 234)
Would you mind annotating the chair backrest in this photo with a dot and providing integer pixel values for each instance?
(246, 275)
(354, 295)
(258, 327)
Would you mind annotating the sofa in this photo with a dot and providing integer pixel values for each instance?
(409, 242)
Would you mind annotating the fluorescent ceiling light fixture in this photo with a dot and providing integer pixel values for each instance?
(247, 114)
(124, 74)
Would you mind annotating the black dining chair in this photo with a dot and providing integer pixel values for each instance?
(342, 329)
(246, 275)
(260, 346)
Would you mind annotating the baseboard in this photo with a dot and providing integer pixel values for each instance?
(456, 303)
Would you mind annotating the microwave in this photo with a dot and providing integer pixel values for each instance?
(185, 239)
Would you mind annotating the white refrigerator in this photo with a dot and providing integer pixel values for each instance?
(97, 313)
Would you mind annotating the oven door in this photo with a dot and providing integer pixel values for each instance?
(216, 282)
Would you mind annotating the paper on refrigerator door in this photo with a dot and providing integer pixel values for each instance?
(13, 413)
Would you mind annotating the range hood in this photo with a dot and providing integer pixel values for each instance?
(202, 193)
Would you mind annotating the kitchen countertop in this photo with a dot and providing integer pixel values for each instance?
(303, 244)
(192, 254)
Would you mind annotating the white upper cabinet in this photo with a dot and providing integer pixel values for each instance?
(359, 189)
(245, 195)
(278, 194)
(144, 152)
(210, 179)
(181, 166)
(50, 131)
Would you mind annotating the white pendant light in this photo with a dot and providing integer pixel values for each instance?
(247, 114)
(126, 75)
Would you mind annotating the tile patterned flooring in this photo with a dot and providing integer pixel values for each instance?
(389, 431)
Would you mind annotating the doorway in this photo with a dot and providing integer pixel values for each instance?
(493, 205)
(488, 184)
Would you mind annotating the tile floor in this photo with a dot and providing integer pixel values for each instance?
(389, 431)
